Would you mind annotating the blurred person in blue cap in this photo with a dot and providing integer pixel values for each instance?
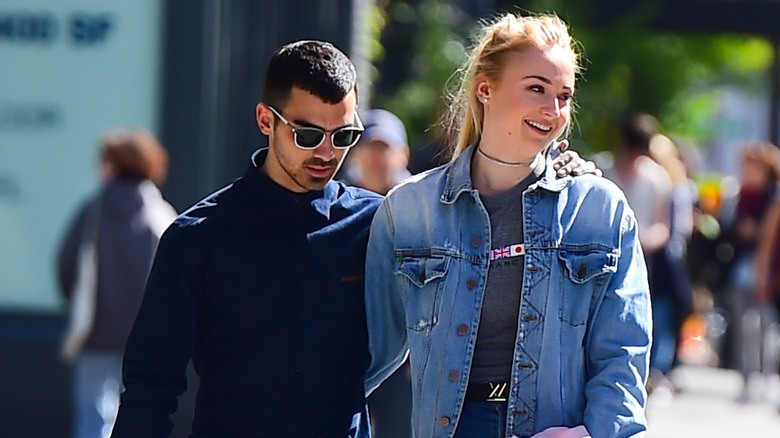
(377, 163)
(380, 160)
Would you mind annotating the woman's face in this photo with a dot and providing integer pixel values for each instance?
(530, 104)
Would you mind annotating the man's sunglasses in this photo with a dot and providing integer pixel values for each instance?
(308, 137)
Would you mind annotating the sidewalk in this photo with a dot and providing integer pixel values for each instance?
(707, 407)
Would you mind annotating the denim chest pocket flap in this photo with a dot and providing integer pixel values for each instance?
(426, 277)
(586, 272)
(584, 266)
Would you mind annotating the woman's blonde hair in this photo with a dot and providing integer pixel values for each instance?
(508, 33)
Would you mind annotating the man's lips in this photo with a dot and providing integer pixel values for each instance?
(319, 170)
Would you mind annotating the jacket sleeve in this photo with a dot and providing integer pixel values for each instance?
(162, 339)
(618, 345)
(385, 314)
(68, 252)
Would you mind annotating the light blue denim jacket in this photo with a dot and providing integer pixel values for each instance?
(583, 337)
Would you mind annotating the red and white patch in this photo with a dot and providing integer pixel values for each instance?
(506, 252)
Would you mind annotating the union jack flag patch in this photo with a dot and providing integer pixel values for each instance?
(507, 252)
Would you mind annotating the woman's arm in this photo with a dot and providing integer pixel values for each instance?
(618, 344)
(385, 314)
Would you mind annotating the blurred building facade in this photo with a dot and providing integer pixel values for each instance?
(191, 71)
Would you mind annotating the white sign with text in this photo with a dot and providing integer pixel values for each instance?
(69, 71)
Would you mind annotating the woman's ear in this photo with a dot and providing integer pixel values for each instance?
(482, 89)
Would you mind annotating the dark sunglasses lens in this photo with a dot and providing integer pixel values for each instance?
(308, 138)
(346, 137)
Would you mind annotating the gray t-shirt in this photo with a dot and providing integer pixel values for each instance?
(501, 304)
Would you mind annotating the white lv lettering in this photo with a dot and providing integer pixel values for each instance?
(497, 390)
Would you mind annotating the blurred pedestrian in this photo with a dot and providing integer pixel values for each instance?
(103, 264)
(669, 268)
(750, 310)
(519, 293)
(648, 188)
(378, 162)
(768, 255)
(768, 283)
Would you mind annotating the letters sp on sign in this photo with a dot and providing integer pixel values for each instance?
(81, 28)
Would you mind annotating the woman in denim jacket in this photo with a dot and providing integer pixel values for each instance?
(521, 296)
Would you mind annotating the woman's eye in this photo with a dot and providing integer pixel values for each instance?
(565, 97)
(536, 88)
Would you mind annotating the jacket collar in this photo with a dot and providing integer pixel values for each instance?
(320, 200)
(458, 176)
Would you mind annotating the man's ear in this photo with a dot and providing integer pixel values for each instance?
(265, 118)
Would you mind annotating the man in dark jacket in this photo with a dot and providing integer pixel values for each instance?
(261, 283)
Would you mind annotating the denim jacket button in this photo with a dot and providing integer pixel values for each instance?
(476, 242)
(463, 329)
(524, 365)
(453, 376)
(444, 421)
(583, 271)
(471, 283)
(519, 412)
(529, 318)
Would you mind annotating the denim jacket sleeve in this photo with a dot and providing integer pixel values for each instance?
(385, 305)
(618, 345)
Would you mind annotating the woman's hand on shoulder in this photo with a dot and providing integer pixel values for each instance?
(570, 163)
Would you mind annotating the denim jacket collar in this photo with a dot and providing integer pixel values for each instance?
(458, 179)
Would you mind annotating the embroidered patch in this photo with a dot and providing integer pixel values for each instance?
(507, 252)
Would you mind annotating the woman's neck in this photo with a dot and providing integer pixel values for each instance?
(493, 173)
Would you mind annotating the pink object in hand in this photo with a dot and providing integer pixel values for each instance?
(563, 432)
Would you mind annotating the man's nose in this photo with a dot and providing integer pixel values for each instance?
(325, 151)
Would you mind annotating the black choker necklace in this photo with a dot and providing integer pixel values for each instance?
(504, 163)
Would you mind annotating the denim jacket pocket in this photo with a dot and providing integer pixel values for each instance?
(585, 274)
(425, 275)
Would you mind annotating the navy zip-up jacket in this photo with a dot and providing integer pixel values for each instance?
(263, 289)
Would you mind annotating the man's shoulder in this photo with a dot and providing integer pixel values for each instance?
(202, 212)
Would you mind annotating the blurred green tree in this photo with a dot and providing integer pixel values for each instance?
(628, 66)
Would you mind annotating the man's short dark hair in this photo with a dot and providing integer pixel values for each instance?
(636, 132)
(315, 66)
